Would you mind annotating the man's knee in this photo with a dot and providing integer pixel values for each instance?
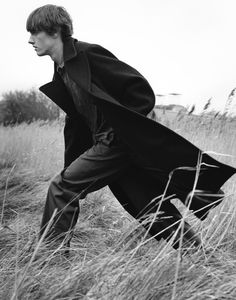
(55, 182)
(69, 184)
(64, 181)
(66, 175)
(75, 172)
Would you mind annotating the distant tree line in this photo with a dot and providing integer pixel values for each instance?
(170, 107)
(26, 106)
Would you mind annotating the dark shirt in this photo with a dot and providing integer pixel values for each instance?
(87, 110)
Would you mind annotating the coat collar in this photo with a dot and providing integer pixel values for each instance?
(76, 63)
(69, 49)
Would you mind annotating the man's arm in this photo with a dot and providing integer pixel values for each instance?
(119, 80)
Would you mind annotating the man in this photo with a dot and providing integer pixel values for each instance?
(110, 141)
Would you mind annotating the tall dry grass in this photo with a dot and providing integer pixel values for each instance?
(109, 257)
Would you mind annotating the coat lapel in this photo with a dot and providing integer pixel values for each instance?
(57, 92)
(78, 70)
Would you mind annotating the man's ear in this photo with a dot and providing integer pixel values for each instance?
(57, 34)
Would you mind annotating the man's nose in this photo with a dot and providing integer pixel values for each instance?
(31, 40)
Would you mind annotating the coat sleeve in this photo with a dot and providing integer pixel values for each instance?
(77, 138)
(122, 82)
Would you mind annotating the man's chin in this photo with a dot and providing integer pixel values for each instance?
(40, 54)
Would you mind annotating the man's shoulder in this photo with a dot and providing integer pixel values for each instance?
(92, 48)
(85, 46)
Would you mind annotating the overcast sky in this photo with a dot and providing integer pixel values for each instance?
(180, 46)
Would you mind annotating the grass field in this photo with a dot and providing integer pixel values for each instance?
(109, 257)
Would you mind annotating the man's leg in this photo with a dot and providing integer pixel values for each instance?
(94, 169)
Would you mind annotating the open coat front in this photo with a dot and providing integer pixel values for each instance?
(125, 98)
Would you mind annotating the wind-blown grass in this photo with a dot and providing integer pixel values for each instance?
(109, 257)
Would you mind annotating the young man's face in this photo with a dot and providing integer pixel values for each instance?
(43, 43)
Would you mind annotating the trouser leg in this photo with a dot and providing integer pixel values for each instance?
(66, 205)
(94, 169)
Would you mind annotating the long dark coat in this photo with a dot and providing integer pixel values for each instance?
(124, 96)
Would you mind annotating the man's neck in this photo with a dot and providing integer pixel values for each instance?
(57, 53)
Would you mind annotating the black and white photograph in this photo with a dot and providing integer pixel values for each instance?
(118, 150)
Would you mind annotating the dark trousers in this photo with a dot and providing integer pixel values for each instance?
(101, 165)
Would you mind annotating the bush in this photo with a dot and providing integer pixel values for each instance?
(26, 106)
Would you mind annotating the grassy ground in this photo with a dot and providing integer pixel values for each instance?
(109, 257)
